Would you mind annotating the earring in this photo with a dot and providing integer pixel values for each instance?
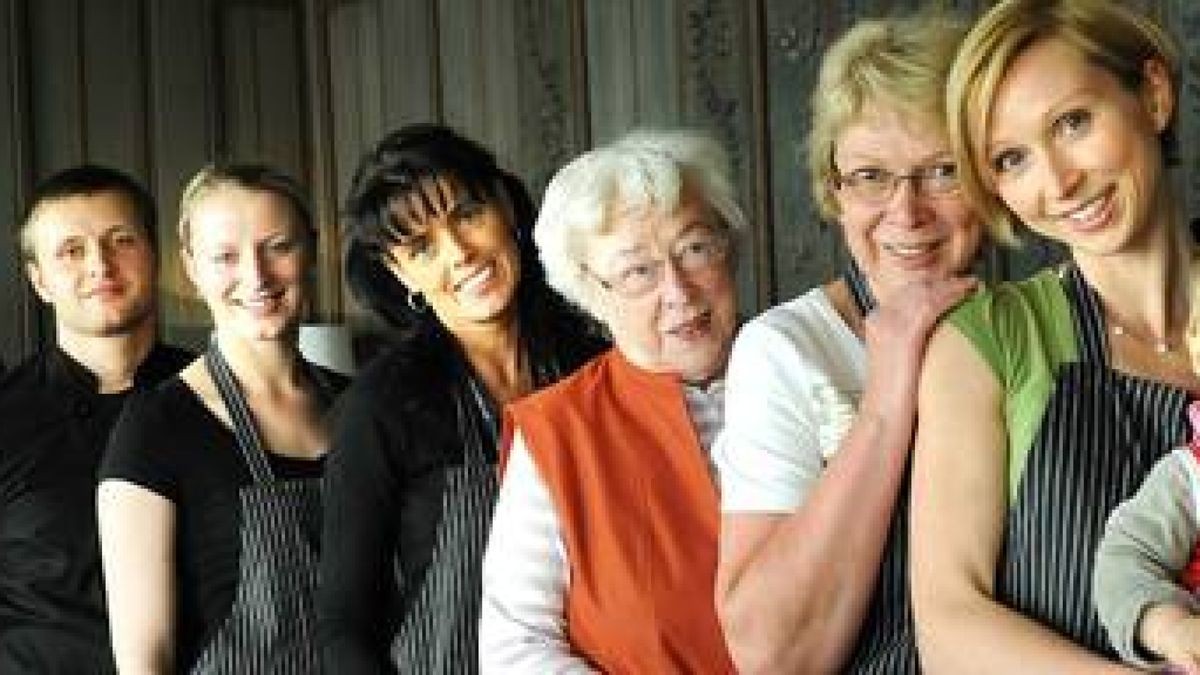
(416, 302)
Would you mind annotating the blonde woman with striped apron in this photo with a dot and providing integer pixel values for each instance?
(1045, 402)
(210, 500)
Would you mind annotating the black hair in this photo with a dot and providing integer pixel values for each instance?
(404, 163)
(91, 179)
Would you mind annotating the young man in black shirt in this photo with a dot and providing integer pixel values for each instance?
(88, 247)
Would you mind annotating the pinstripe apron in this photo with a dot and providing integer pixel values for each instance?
(439, 634)
(886, 642)
(270, 627)
(1100, 434)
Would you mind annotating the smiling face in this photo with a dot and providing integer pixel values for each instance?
(912, 234)
(459, 254)
(248, 256)
(92, 262)
(1074, 153)
(684, 323)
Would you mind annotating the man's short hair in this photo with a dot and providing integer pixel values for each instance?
(89, 179)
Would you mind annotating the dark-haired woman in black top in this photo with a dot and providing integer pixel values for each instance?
(439, 245)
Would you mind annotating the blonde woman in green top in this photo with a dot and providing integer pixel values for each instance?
(1044, 403)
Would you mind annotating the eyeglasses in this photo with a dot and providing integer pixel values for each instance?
(875, 186)
(693, 254)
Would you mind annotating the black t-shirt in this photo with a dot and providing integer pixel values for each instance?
(168, 442)
(53, 429)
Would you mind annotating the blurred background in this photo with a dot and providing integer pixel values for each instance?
(161, 87)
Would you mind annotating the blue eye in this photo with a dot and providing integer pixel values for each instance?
(282, 246)
(870, 175)
(126, 239)
(71, 251)
(1073, 122)
(1007, 161)
(940, 171)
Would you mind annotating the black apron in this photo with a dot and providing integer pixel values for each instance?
(271, 625)
(427, 643)
(886, 641)
(1100, 435)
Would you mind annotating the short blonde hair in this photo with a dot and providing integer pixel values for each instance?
(898, 63)
(1107, 34)
(644, 169)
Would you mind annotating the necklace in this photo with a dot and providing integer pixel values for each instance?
(1163, 348)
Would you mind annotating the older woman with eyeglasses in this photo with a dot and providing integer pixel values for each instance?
(603, 546)
(822, 389)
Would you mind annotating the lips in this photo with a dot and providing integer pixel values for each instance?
(1094, 213)
(475, 280)
(106, 290)
(263, 304)
(912, 249)
(692, 329)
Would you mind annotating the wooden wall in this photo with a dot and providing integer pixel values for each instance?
(159, 87)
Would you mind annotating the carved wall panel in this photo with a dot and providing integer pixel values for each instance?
(160, 87)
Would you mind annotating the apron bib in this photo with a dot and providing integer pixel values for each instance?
(886, 642)
(271, 625)
(1100, 435)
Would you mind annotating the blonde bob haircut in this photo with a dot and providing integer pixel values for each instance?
(1113, 37)
(895, 64)
(644, 170)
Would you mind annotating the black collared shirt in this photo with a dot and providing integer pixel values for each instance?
(54, 426)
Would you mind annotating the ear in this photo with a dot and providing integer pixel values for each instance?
(1157, 93)
(37, 282)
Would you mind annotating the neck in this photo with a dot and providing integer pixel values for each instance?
(494, 352)
(839, 295)
(1144, 290)
(262, 365)
(113, 359)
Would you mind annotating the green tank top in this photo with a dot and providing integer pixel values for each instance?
(1025, 332)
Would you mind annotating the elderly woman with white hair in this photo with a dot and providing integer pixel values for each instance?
(603, 547)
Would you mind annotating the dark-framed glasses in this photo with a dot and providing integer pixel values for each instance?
(876, 186)
(691, 254)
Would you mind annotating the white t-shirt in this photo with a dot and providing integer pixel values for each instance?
(793, 384)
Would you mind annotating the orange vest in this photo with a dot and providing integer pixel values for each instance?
(638, 514)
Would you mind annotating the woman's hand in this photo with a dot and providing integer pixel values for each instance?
(1173, 633)
(897, 331)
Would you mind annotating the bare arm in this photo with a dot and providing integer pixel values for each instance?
(137, 544)
(793, 589)
(959, 508)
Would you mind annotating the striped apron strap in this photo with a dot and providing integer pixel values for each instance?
(860, 291)
(248, 439)
(1088, 317)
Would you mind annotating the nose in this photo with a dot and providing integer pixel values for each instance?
(904, 206)
(677, 286)
(252, 269)
(1062, 174)
(454, 246)
(99, 258)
